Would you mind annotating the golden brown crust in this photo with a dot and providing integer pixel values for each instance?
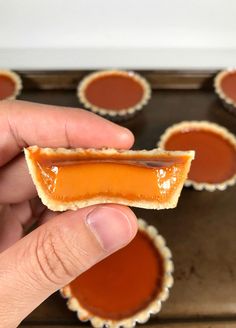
(62, 206)
(143, 315)
(205, 125)
(17, 80)
(113, 113)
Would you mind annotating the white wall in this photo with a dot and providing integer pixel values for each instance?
(117, 33)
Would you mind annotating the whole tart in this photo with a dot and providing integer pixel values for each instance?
(225, 88)
(118, 95)
(128, 286)
(10, 85)
(214, 166)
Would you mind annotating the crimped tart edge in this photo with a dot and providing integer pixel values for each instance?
(154, 306)
(216, 128)
(218, 89)
(17, 80)
(55, 205)
(113, 113)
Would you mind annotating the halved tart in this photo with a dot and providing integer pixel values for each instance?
(75, 178)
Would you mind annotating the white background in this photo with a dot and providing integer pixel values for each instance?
(70, 34)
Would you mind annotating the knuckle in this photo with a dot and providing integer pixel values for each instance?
(79, 258)
(53, 259)
(58, 259)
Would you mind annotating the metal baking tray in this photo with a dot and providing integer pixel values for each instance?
(201, 231)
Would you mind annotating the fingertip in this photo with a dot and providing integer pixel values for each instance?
(113, 226)
(126, 138)
(133, 222)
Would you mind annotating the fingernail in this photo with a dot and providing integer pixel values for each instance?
(110, 226)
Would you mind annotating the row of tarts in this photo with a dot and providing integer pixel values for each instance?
(119, 95)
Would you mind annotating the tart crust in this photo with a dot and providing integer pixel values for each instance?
(155, 305)
(116, 114)
(16, 79)
(59, 205)
(228, 102)
(204, 125)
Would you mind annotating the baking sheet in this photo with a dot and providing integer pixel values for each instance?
(201, 231)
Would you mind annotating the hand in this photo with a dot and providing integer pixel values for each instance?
(34, 267)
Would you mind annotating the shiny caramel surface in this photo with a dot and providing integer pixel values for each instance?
(215, 157)
(122, 284)
(114, 91)
(7, 87)
(73, 177)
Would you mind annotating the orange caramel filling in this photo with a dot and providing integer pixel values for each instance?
(228, 85)
(7, 87)
(122, 284)
(115, 91)
(215, 159)
(80, 176)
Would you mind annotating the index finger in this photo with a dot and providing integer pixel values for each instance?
(23, 124)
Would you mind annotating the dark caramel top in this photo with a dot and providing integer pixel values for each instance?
(228, 85)
(215, 159)
(7, 87)
(115, 91)
(123, 283)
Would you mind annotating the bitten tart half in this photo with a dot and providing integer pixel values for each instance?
(126, 287)
(75, 178)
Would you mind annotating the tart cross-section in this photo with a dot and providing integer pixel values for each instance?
(74, 178)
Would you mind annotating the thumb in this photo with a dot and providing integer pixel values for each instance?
(57, 252)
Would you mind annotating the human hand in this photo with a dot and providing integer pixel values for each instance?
(34, 267)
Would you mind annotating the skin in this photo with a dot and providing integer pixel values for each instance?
(34, 265)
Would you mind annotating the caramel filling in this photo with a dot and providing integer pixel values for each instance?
(115, 92)
(74, 177)
(7, 87)
(228, 85)
(122, 284)
(215, 159)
